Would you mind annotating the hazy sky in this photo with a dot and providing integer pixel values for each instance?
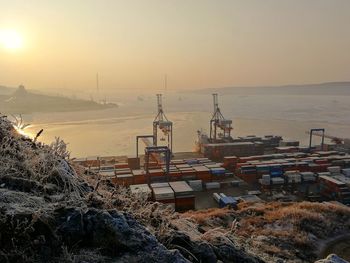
(199, 44)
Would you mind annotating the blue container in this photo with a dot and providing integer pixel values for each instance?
(275, 168)
(218, 171)
(276, 174)
(192, 161)
(227, 200)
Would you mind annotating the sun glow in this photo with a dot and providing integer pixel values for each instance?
(22, 132)
(11, 39)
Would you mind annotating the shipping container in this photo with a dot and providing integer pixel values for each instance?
(228, 201)
(196, 185)
(216, 197)
(212, 185)
(121, 165)
(157, 185)
(184, 196)
(165, 194)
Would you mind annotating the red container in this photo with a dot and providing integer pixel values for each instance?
(175, 176)
(184, 203)
(156, 172)
(321, 161)
(139, 179)
(249, 178)
(121, 165)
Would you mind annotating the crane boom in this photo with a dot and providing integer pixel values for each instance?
(335, 139)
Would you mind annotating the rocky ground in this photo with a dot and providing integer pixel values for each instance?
(50, 211)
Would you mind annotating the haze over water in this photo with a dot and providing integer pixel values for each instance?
(113, 131)
(123, 49)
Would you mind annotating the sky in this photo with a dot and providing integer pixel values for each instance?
(196, 43)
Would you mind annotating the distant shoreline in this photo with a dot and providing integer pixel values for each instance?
(22, 101)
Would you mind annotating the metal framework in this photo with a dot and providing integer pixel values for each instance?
(142, 137)
(316, 131)
(219, 122)
(157, 150)
(161, 122)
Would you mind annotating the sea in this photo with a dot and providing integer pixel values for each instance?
(112, 132)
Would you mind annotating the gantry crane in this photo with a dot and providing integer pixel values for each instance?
(161, 122)
(219, 122)
(336, 140)
(317, 132)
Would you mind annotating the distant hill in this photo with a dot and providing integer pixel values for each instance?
(20, 100)
(6, 90)
(328, 88)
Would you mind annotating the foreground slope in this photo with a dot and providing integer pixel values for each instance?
(51, 211)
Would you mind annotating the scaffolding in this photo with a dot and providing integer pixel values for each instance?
(161, 122)
(158, 151)
(218, 122)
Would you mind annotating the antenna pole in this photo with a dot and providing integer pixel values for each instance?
(97, 83)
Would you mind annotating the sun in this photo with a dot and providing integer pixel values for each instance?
(10, 39)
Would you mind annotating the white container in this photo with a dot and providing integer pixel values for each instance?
(157, 185)
(163, 193)
(264, 182)
(266, 177)
(296, 178)
(277, 180)
(181, 188)
(324, 174)
(334, 169)
(222, 195)
(216, 197)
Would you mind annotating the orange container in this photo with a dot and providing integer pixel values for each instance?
(121, 165)
(205, 177)
(156, 172)
(184, 204)
(125, 179)
(139, 179)
(249, 178)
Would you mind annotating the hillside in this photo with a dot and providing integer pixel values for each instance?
(22, 101)
(328, 88)
(53, 212)
(6, 90)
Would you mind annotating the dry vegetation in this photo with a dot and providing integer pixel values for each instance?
(40, 191)
(290, 231)
(52, 211)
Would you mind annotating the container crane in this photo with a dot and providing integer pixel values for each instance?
(334, 139)
(218, 122)
(317, 132)
(161, 122)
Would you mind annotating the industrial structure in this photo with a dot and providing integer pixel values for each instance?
(155, 153)
(218, 122)
(162, 123)
(342, 144)
(318, 131)
(255, 168)
(220, 143)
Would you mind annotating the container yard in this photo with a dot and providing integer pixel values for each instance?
(227, 170)
(191, 183)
